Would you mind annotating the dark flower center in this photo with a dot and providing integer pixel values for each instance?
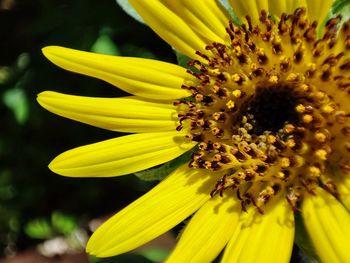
(271, 108)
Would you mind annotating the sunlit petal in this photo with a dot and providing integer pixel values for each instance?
(166, 205)
(142, 77)
(128, 114)
(248, 7)
(317, 11)
(208, 231)
(122, 155)
(168, 25)
(208, 19)
(328, 225)
(260, 237)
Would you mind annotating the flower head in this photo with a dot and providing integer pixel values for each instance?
(265, 102)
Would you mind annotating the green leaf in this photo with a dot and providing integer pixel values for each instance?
(5, 73)
(225, 3)
(136, 51)
(303, 241)
(16, 100)
(155, 254)
(160, 172)
(23, 61)
(342, 7)
(63, 223)
(230, 11)
(182, 59)
(105, 45)
(339, 7)
(39, 228)
(124, 4)
(14, 224)
(234, 16)
(7, 192)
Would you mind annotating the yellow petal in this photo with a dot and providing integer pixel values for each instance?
(263, 238)
(208, 231)
(248, 7)
(142, 77)
(169, 26)
(318, 11)
(128, 114)
(343, 187)
(328, 225)
(263, 5)
(292, 5)
(122, 155)
(166, 205)
(315, 10)
(278, 7)
(208, 19)
(253, 8)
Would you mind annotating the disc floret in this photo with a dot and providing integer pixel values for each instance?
(269, 108)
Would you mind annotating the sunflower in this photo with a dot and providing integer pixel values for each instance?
(264, 106)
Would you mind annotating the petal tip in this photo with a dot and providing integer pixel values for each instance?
(54, 166)
(39, 97)
(92, 247)
(42, 95)
(48, 50)
(52, 53)
(89, 249)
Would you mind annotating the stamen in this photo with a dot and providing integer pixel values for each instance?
(270, 108)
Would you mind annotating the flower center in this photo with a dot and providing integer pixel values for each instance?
(270, 109)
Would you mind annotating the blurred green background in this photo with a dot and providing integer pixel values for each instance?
(45, 217)
(37, 206)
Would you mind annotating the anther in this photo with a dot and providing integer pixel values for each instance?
(327, 109)
(237, 93)
(314, 171)
(273, 79)
(285, 162)
(288, 128)
(271, 139)
(321, 137)
(290, 143)
(271, 127)
(230, 104)
(307, 118)
(203, 146)
(321, 154)
(300, 108)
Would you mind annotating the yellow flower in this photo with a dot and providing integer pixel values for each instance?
(266, 103)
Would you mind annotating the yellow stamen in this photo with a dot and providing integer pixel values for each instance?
(230, 104)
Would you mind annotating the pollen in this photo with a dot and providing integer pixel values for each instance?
(236, 93)
(273, 79)
(285, 162)
(327, 109)
(300, 108)
(270, 108)
(271, 139)
(307, 118)
(321, 154)
(236, 77)
(230, 104)
(321, 137)
(314, 171)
